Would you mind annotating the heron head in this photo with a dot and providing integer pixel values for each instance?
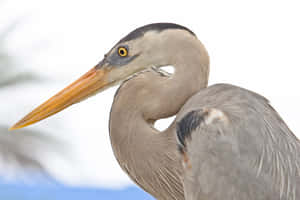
(147, 46)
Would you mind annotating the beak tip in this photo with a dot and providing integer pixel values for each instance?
(14, 127)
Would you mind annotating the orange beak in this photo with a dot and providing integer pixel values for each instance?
(90, 83)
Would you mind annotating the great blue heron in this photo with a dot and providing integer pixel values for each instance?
(225, 143)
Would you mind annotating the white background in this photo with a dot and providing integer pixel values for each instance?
(253, 44)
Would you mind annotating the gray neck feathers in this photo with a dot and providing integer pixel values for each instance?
(150, 96)
(141, 150)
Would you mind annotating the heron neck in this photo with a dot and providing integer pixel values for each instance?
(137, 145)
(150, 96)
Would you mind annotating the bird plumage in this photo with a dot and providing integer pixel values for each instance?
(225, 143)
(148, 156)
(246, 153)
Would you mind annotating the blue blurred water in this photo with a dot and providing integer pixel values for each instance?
(54, 191)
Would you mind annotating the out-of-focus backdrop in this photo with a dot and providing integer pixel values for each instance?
(45, 45)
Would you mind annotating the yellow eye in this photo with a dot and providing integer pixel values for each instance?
(122, 51)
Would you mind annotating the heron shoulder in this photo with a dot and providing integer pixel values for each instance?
(254, 142)
(193, 120)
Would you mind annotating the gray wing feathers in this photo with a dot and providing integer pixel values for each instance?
(240, 149)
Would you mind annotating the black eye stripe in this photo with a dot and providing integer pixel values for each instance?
(115, 59)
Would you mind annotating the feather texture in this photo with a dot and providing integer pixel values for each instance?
(253, 156)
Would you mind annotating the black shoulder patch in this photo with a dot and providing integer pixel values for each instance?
(153, 27)
(187, 125)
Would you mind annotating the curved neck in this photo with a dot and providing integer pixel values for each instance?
(166, 95)
(150, 96)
